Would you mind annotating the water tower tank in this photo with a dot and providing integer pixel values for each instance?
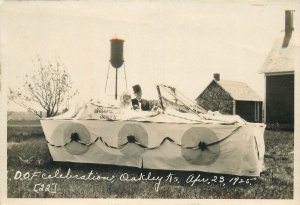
(116, 52)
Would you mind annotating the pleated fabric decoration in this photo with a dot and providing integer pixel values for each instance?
(196, 148)
(133, 138)
(76, 137)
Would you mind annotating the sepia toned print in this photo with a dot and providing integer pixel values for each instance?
(150, 100)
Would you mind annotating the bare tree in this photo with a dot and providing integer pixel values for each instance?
(49, 89)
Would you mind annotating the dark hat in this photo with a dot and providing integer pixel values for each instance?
(137, 88)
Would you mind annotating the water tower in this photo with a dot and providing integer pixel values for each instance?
(116, 60)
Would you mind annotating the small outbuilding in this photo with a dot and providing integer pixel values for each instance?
(231, 97)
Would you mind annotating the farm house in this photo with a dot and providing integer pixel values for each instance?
(278, 69)
(231, 97)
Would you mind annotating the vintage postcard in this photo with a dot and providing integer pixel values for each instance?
(147, 101)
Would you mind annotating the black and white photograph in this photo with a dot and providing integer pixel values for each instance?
(147, 100)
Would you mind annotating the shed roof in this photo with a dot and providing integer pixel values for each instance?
(239, 90)
(281, 57)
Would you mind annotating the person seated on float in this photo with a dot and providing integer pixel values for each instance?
(125, 100)
(138, 103)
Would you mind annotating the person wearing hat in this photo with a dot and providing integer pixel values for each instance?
(138, 102)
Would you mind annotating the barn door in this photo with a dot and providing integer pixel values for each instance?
(257, 111)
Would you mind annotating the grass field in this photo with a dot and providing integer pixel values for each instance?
(29, 153)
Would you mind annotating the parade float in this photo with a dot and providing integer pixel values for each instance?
(178, 135)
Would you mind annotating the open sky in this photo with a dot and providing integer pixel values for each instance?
(180, 43)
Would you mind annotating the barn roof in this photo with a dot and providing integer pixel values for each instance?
(239, 90)
(281, 57)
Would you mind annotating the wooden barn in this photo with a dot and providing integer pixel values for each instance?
(279, 78)
(231, 97)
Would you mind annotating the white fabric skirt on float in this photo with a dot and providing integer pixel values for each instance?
(226, 148)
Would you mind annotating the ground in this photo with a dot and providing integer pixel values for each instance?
(28, 152)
